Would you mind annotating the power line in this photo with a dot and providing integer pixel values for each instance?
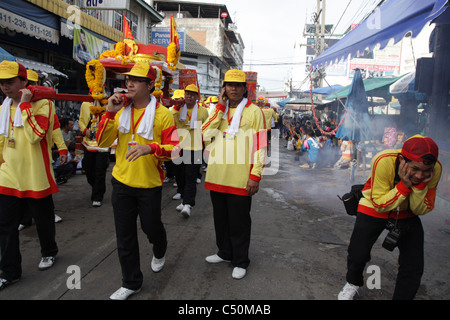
(343, 13)
(268, 59)
(276, 64)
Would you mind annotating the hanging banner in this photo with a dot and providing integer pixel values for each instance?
(187, 77)
(86, 46)
(251, 79)
(27, 26)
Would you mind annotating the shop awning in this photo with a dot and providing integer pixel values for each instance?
(325, 90)
(392, 20)
(26, 18)
(5, 55)
(39, 66)
(370, 85)
(283, 103)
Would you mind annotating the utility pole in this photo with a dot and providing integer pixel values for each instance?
(320, 35)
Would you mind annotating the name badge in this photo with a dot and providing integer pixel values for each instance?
(11, 143)
(131, 144)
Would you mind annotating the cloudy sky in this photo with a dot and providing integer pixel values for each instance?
(269, 30)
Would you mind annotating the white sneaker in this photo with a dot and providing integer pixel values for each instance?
(175, 185)
(96, 203)
(215, 259)
(46, 263)
(177, 196)
(348, 292)
(186, 212)
(57, 218)
(180, 207)
(199, 180)
(238, 273)
(158, 264)
(123, 293)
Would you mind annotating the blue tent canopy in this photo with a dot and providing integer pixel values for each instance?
(283, 103)
(325, 90)
(392, 20)
(5, 55)
(357, 122)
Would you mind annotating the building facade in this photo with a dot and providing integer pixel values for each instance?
(42, 32)
(208, 25)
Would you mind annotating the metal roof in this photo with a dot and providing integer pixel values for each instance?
(192, 46)
(40, 66)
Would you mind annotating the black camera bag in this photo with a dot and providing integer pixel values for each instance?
(351, 199)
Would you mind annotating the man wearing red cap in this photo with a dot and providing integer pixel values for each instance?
(146, 135)
(400, 188)
(26, 175)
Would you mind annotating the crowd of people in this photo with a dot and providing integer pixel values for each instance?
(147, 134)
(316, 144)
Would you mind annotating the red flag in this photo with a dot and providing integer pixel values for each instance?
(127, 35)
(174, 36)
(126, 32)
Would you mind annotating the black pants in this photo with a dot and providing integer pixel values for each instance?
(366, 231)
(232, 224)
(186, 174)
(170, 169)
(129, 203)
(66, 170)
(11, 213)
(95, 165)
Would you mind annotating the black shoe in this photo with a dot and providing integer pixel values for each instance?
(61, 180)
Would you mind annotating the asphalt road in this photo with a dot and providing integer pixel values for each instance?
(300, 235)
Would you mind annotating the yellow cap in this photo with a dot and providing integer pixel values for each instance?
(32, 75)
(177, 94)
(235, 75)
(143, 70)
(213, 99)
(191, 87)
(11, 69)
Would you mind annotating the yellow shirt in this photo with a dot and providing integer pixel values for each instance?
(190, 139)
(381, 196)
(269, 114)
(87, 119)
(233, 161)
(25, 163)
(146, 171)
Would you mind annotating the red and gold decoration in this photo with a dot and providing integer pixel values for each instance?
(173, 50)
(251, 79)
